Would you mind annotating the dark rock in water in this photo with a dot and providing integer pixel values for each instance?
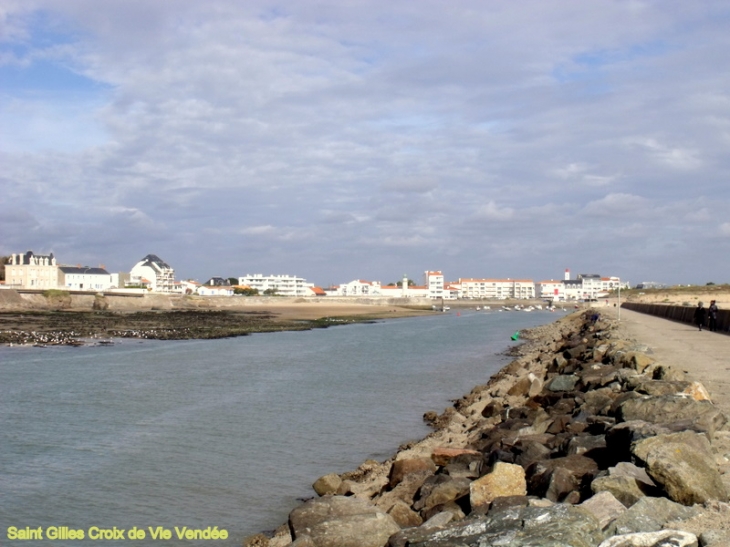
(557, 526)
(336, 521)
(328, 484)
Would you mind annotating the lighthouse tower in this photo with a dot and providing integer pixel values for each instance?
(404, 285)
(567, 274)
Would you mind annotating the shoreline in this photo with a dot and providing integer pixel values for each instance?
(77, 328)
(36, 319)
(550, 438)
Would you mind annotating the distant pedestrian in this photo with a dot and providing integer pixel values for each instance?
(712, 316)
(700, 315)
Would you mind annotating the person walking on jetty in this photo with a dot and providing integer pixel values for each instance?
(700, 315)
(712, 316)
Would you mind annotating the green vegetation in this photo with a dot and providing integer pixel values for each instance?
(247, 291)
(270, 292)
(411, 283)
(55, 293)
(3, 260)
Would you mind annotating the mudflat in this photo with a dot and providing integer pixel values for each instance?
(74, 327)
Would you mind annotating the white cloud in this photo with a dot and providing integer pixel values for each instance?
(491, 211)
(296, 127)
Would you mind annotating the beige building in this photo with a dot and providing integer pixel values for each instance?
(31, 271)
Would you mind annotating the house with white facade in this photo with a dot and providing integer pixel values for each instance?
(31, 271)
(84, 278)
(281, 285)
(153, 273)
(215, 290)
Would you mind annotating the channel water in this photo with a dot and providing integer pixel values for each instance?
(227, 433)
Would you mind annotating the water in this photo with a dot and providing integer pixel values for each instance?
(225, 433)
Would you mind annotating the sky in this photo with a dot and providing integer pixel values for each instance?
(367, 140)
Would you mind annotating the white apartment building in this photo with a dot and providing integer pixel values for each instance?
(84, 278)
(154, 273)
(435, 284)
(551, 289)
(498, 289)
(31, 271)
(283, 285)
(584, 287)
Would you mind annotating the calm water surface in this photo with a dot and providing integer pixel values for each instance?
(225, 433)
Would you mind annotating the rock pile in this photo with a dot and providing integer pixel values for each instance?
(583, 440)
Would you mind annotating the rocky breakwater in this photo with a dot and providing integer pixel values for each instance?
(583, 440)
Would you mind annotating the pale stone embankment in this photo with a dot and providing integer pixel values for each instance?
(585, 439)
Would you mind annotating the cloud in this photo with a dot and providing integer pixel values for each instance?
(413, 184)
(282, 136)
(491, 211)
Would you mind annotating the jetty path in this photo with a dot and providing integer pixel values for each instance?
(704, 356)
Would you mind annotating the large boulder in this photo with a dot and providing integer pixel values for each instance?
(557, 477)
(337, 521)
(440, 489)
(627, 482)
(328, 484)
(406, 466)
(557, 526)
(650, 515)
(683, 465)
(505, 480)
(673, 538)
(605, 507)
(666, 409)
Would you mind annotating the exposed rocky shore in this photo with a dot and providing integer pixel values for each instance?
(583, 440)
(75, 328)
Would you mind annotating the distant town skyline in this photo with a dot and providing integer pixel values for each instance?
(334, 141)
